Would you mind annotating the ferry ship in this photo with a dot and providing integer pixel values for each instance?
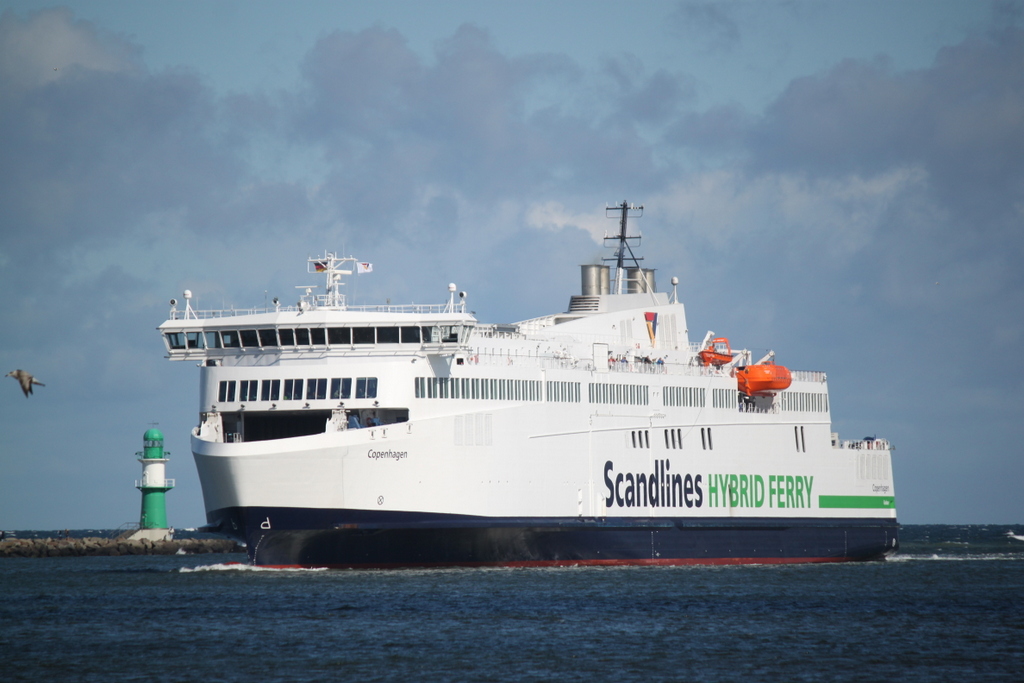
(332, 434)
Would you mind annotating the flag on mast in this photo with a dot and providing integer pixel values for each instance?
(364, 268)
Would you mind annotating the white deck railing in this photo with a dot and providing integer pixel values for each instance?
(867, 444)
(207, 314)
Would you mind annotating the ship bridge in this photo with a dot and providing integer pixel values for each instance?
(319, 324)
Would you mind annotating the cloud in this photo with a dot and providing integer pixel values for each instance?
(899, 179)
(49, 44)
(709, 23)
(94, 150)
(643, 99)
(840, 215)
(474, 123)
(962, 119)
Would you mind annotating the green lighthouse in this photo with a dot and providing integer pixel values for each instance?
(153, 519)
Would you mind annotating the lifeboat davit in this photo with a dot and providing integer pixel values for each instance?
(763, 379)
(717, 352)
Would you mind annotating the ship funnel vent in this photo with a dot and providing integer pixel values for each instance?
(596, 280)
(640, 280)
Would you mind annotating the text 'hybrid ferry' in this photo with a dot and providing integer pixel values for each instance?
(337, 435)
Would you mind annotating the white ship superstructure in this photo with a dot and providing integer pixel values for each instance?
(333, 434)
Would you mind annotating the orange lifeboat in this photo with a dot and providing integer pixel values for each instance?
(763, 379)
(718, 352)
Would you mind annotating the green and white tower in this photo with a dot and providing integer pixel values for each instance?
(153, 520)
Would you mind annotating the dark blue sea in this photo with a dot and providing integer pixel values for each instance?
(948, 607)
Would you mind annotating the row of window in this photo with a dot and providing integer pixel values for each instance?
(641, 438)
(481, 388)
(563, 392)
(527, 390)
(724, 398)
(803, 401)
(691, 397)
(273, 337)
(296, 389)
(623, 394)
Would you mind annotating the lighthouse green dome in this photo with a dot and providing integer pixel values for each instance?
(153, 444)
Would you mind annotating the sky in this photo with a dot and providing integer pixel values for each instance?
(841, 182)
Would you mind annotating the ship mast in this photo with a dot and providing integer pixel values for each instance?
(625, 210)
(331, 266)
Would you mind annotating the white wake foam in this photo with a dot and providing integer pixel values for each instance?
(900, 557)
(239, 567)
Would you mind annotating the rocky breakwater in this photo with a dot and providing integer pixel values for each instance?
(91, 547)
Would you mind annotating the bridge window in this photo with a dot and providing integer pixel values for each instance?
(318, 336)
(287, 337)
(268, 337)
(363, 335)
(387, 335)
(441, 334)
(212, 340)
(301, 336)
(230, 339)
(249, 338)
(410, 335)
(194, 340)
(339, 335)
(176, 340)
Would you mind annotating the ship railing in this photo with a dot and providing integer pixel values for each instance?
(635, 366)
(492, 331)
(638, 366)
(207, 314)
(772, 409)
(514, 356)
(503, 358)
(867, 444)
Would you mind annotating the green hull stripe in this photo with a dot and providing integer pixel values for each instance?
(857, 502)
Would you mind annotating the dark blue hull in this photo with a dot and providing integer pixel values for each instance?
(364, 539)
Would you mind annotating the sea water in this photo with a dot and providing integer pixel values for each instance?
(949, 606)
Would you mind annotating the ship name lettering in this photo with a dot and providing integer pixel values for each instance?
(388, 454)
(660, 488)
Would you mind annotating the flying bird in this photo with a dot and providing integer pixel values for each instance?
(25, 379)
